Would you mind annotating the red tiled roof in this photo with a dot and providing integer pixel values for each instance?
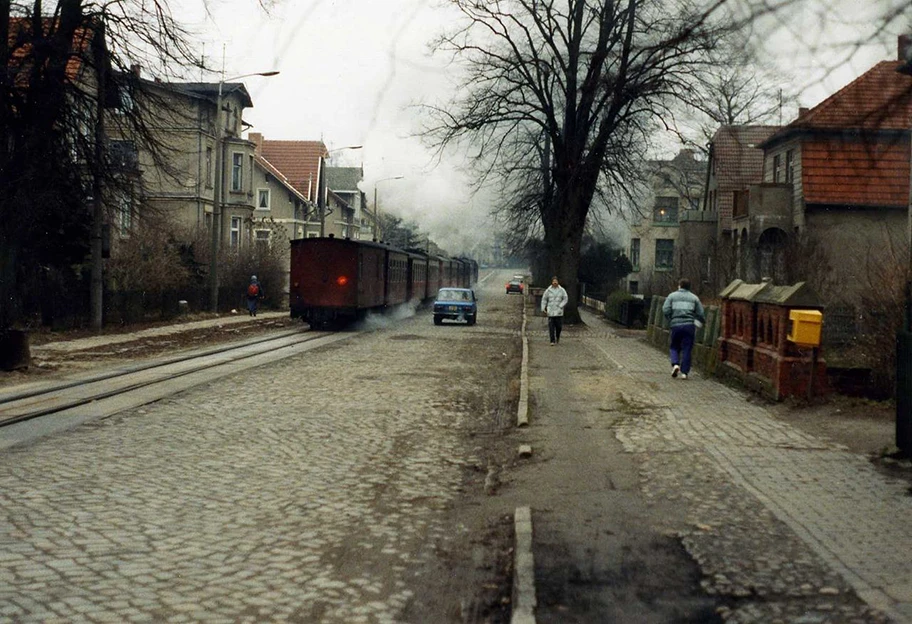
(20, 45)
(842, 171)
(299, 161)
(879, 99)
(737, 156)
(855, 144)
(278, 175)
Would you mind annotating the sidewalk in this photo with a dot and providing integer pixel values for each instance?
(91, 342)
(783, 526)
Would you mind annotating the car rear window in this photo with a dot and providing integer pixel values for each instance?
(454, 295)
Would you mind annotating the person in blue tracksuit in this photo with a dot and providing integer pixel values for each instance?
(685, 313)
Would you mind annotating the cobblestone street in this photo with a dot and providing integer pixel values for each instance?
(350, 484)
(309, 490)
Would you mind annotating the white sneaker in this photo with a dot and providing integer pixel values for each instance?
(675, 370)
(683, 375)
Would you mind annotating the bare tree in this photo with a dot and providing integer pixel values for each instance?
(736, 89)
(67, 64)
(585, 78)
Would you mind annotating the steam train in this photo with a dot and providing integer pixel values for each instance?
(335, 280)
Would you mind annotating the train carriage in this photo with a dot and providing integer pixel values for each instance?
(336, 279)
(417, 276)
(397, 285)
(433, 279)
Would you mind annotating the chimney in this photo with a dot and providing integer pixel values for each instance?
(802, 111)
(136, 69)
(257, 139)
(904, 48)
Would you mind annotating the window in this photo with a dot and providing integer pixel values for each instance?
(664, 259)
(125, 102)
(250, 169)
(777, 168)
(262, 239)
(125, 214)
(312, 234)
(123, 154)
(666, 210)
(237, 171)
(635, 253)
(208, 167)
(790, 166)
(634, 288)
(263, 199)
(235, 240)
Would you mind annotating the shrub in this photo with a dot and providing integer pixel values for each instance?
(614, 305)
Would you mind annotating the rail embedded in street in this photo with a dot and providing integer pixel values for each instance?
(17, 407)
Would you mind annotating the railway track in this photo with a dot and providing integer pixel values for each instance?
(101, 394)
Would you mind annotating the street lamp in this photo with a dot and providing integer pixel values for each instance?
(217, 191)
(321, 186)
(377, 206)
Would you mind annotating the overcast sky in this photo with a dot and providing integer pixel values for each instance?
(351, 68)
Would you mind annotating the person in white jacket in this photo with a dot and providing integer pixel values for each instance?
(553, 301)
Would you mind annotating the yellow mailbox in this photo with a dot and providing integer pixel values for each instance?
(804, 327)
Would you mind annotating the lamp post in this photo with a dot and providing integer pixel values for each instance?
(321, 185)
(217, 190)
(377, 232)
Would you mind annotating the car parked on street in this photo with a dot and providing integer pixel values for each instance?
(456, 304)
(515, 286)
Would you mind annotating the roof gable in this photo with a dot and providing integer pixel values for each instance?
(279, 176)
(299, 161)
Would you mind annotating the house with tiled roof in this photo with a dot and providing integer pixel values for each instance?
(281, 214)
(343, 182)
(735, 165)
(671, 225)
(838, 177)
(299, 161)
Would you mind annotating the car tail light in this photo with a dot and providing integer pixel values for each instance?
(342, 280)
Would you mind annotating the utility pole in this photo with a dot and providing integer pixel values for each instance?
(97, 283)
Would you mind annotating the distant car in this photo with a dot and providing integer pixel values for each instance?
(455, 304)
(515, 286)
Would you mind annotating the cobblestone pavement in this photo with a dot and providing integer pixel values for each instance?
(786, 527)
(308, 490)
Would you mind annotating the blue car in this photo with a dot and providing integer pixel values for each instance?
(455, 304)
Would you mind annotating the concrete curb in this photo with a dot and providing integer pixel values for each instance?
(522, 410)
(524, 600)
